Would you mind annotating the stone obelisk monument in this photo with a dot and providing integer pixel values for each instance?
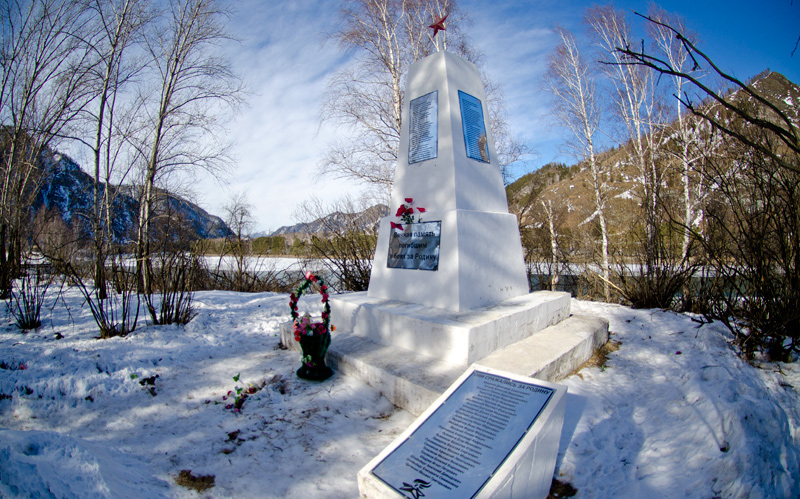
(447, 164)
(451, 283)
(448, 287)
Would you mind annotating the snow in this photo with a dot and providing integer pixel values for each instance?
(626, 195)
(262, 264)
(674, 412)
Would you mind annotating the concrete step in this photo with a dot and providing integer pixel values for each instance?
(413, 381)
(555, 352)
(456, 337)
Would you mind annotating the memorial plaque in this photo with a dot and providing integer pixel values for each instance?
(415, 247)
(464, 441)
(423, 138)
(474, 127)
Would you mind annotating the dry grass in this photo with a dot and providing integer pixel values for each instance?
(198, 483)
(600, 357)
(561, 489)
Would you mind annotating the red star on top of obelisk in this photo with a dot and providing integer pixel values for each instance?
(438, 25)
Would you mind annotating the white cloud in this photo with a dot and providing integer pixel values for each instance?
(278, 141)
(277, 137)
(286, 62)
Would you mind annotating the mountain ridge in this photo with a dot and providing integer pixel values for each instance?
(366, 220)
(66, 188)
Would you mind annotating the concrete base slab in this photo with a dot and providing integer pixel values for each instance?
(455, 337)
(413, 381)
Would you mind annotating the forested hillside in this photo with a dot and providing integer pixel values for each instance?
(700, 214)
(568, 189)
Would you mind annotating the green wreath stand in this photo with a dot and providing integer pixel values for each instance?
(314, 337)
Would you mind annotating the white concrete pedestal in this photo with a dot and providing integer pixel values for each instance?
(454, 337)
(480, 264)
(419, 327)
(413, 380)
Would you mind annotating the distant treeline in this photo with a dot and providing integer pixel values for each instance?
(265, 245)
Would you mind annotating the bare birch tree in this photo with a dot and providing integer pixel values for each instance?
(634, 98)
(573, 82)
(554, 254)
(116, 26)
(44, 85)
(752, 226)
(687, 153)
(638, 101)
(193, 86)
(239, 217)
(366, 98)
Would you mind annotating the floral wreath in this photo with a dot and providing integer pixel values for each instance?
(303, 326)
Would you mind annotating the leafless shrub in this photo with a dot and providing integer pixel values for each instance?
(173, 274)
(346, 239)
(659, 274)
(751, 236)
(114, 303)
(28, 295)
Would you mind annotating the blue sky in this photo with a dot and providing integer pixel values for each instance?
(284, 58)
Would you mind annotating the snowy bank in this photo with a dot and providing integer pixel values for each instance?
(674, 413)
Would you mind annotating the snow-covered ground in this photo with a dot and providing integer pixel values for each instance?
(262, 263)
(674, 413)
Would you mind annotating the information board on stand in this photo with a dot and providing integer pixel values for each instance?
(466, 439)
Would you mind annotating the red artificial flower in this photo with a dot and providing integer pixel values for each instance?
(409, 200)
(396, 226)
(421, 210)
(401, 211)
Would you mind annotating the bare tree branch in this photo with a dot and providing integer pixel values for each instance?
(781, 125)
(192, 86)
(366, 99)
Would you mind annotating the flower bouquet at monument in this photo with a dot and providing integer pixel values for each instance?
(314, 337)
(406, 214)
